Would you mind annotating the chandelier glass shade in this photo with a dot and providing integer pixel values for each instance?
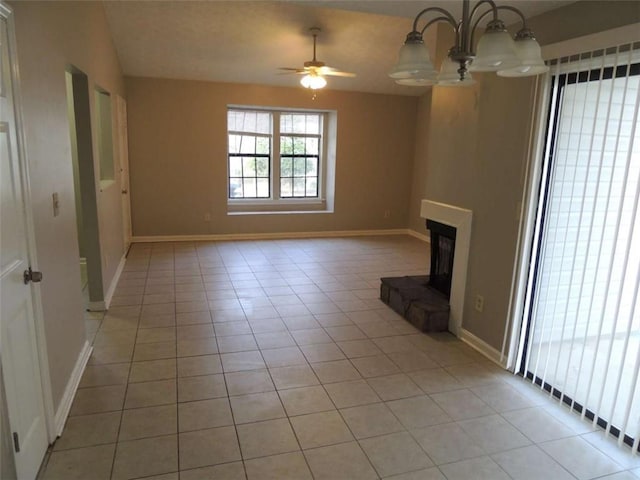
(414, 65)
(496, 50)
(531, 62)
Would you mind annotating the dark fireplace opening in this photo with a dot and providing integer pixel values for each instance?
(424, 299)
(443, 245)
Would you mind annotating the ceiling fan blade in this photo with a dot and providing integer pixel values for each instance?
(338, 73)
(334, 72)
(292, 70)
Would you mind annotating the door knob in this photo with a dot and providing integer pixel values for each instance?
(31, 276)
(124, 192)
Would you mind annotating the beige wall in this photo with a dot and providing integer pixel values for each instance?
(178, 163)
(473, 155)
(50, 37)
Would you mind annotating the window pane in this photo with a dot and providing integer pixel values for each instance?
(249, 166)
(234, 143)
(263, 122)
(262, 145)
(312, 186)
(249, 187)
(286, 167)
(299, 146)
(263, 187)
(249, 121)
(262, 167)
(235, 188)
(312, 146)
(234, 120)
(235, 167)
(300, 123)
(286, 145)
(298, 187)
(247, 144)
(312, 124)
(299, 167)
(312, 166)
(285, 187)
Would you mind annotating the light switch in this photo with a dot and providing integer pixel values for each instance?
(56, 204)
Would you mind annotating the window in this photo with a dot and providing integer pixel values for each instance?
(276, 157)
(300, 136)
(250, 141)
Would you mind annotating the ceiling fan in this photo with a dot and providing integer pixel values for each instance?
(314, 71)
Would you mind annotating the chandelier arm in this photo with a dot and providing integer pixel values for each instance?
(443, 19)
(475, 27)
(477, 6)
(435, 20)
(446, 17)
(470, 26)
(516, 11)
(501, 7)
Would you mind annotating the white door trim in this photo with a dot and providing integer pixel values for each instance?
(45, 378)
(123, 162)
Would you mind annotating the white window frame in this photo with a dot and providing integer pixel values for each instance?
(275, 203)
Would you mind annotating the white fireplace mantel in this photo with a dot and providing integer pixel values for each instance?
(460, 218)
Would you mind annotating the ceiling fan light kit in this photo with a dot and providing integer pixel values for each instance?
(313, 81)
(496, 51)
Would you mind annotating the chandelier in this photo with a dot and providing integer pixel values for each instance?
(496, 51)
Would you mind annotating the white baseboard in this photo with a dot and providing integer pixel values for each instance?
(72, 385)
(420, 236)
(114, 282)
(482, 347)
(266, 236)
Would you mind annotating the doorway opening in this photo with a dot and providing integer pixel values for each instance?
(582, 313)
(90, 261)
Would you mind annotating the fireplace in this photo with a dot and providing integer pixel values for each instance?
(435, 302)
(460, 219)
(443, 246)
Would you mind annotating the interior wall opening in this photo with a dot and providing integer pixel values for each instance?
(90, 261)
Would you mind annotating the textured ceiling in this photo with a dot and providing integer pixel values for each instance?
(245, 42)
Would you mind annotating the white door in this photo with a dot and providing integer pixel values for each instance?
(123, 155)
(18, 344)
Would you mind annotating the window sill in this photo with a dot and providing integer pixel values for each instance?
(277, 212)
(276, 207)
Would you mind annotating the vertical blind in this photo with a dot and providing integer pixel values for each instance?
(583, 335)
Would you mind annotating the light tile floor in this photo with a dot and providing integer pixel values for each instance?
(276, 360)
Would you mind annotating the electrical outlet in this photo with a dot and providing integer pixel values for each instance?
(387, 213)
(479, 306)
(207, 217)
